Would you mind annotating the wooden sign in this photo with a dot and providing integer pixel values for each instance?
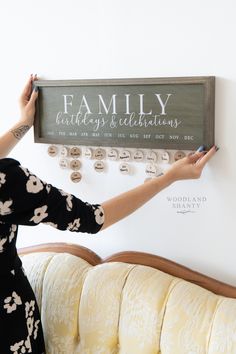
(155, 113)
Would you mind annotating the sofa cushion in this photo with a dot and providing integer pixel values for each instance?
(125, 308)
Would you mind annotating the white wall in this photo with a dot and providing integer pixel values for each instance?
(77, 39)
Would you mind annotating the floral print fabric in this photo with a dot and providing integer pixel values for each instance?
(26, 200)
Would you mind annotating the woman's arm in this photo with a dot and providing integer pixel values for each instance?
(27, 111)
(31, 201)
(126, 203)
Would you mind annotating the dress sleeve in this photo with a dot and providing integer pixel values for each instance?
(27, 200)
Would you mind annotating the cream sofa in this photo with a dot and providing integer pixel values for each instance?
(130, 303)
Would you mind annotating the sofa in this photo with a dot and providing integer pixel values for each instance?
(129, 303)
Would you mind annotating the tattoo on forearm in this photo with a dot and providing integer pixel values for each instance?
(20, 131)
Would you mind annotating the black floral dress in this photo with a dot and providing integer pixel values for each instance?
(26, 200)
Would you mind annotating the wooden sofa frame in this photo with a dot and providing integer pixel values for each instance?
(142, 258)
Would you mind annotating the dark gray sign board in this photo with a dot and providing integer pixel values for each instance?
(155, 113)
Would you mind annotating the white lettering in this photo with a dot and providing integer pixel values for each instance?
(188, 137)
(112, 102)
(141, 112)
(127, 104)
(66, 103)
(163, 104)
(84, 103)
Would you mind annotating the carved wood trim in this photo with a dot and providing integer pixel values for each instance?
(60, 247)
(147, 259)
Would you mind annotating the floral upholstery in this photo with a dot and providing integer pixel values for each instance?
(127, 309)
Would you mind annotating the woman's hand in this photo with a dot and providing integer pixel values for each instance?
(27, 107)
(191, 166)
(27, 102)
(126, 203)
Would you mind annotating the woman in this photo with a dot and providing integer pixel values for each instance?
(26, 200)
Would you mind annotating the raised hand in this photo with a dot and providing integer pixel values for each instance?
(27, 102)
(191, 166)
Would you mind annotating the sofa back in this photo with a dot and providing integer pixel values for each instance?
(119, 307)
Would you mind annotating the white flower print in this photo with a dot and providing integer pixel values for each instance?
(29, 308)
(21, 347)
(34, 185)
(74, 226)
(39, 214)
(30, 325)
(14, 348)
(24, 346)
(28, 345)
(5, 207)
(11, 302)
(69, 198)
(36, 328)
(12, 232)
(2, 179)
(99, 215)
(48, 187)
(2, 241)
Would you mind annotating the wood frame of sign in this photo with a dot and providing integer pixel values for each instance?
(150, 113)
